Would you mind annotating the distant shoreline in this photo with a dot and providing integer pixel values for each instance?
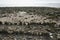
(29, 6)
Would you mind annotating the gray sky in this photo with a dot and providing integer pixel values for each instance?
(4, 3)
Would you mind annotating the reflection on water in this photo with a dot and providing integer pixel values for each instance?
(22, 37)
(18, 36)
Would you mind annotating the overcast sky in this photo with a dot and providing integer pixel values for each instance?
(5, 3)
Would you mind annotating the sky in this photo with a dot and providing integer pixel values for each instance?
(8, 3)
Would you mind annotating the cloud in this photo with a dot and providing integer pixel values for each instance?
(48, 1)
(28, 2)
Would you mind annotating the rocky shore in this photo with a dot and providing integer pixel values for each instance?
(33, 25)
